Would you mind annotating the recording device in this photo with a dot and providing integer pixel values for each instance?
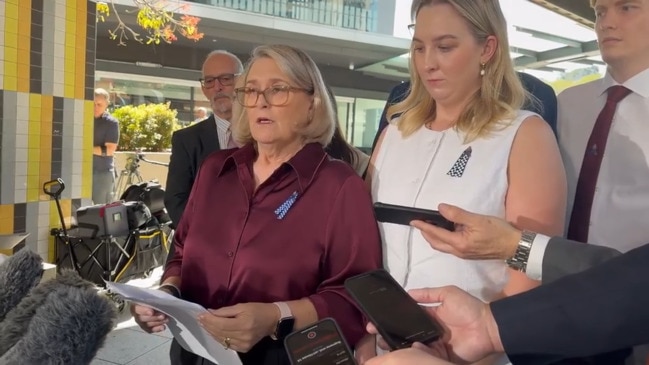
(397, 317)
(320, 344)
(399, 214)
(103, 220)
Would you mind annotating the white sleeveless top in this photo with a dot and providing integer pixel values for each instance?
(428, 168)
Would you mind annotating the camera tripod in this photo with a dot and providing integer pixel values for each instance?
(130, 175)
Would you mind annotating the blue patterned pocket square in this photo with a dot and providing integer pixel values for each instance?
(458, 167)
(284, 208)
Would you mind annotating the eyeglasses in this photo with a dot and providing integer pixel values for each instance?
(274, 95)
(224, 80)
(411, 29)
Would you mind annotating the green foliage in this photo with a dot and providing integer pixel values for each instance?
(146, 127)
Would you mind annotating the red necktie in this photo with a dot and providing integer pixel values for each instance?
(580, 218)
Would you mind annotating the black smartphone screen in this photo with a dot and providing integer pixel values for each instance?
(397, 317)
(320, 344)
(398, 214)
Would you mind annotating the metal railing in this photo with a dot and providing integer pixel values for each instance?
(350, 14)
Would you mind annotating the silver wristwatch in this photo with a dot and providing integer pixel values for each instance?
(519, 260)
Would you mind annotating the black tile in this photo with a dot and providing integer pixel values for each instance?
(36, 72)
(37, 31)
(35, 86)
(57, 153)
(56, 169)
(20, 217)
(20, 210)
(35, 59)
(58, 103)
(37, 5)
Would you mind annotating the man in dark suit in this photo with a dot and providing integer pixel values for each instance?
(601, 309)
(593, 311)
(544, 102)
(189, 146)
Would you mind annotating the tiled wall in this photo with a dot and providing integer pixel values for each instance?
(47, 66)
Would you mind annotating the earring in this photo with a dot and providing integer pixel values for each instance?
(482, 67)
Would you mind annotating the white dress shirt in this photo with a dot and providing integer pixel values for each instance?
(223, 131)
(620, 211)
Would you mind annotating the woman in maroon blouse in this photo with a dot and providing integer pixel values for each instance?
(272, 230)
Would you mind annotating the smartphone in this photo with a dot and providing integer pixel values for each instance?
(397, 317)
(320, 344)
(399, 214)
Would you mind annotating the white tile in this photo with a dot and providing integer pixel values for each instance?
(22, 126)
(43, 245)
(22, 140)
(21, 156)
(20, 181)
(22, 100)
(43, 233)
(21, 168)
(44, 220)
(58, 89)
(20, 196)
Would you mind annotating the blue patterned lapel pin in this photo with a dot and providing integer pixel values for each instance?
(283, 209)
(460, 165)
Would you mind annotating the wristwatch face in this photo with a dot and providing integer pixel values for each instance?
(284, 327)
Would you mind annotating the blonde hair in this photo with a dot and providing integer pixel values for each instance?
(302, 72)
(501, 92)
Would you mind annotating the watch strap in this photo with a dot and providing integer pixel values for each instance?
(284, 310)
(521, 256)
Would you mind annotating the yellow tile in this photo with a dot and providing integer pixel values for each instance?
(11, 28)
(35, 100)
(25, 21)
(33, 195)
(45, 170)
(6, 211)
(34, 167)
(7, 225)
(35, 140)
(47, 102)
(11, 56)
(33, 156)
(33, 128)
(33, 183)
(11, 9)
(10, 83)
(68, 90)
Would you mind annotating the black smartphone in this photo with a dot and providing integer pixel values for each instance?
(397, 317)
(399, 214)
(320, 344)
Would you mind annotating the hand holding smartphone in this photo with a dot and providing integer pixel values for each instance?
(319, 344)
(403, 215)
(397, 317)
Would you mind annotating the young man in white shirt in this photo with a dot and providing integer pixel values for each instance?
(608, 179)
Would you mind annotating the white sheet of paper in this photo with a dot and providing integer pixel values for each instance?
(183, 322)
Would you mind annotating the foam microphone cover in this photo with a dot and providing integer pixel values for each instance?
(68, 328)
(18, 275)
(16, 322)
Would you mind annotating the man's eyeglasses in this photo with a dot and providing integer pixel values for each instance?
(224, 80)
(274, 95)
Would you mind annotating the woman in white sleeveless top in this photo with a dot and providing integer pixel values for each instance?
(462, 139)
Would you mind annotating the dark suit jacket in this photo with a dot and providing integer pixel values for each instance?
(563, 257)
(189, 146)
(545, 104)
(602, 309)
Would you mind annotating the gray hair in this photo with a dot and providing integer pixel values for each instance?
(303, 72)
(103, 93)
(234, 58)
